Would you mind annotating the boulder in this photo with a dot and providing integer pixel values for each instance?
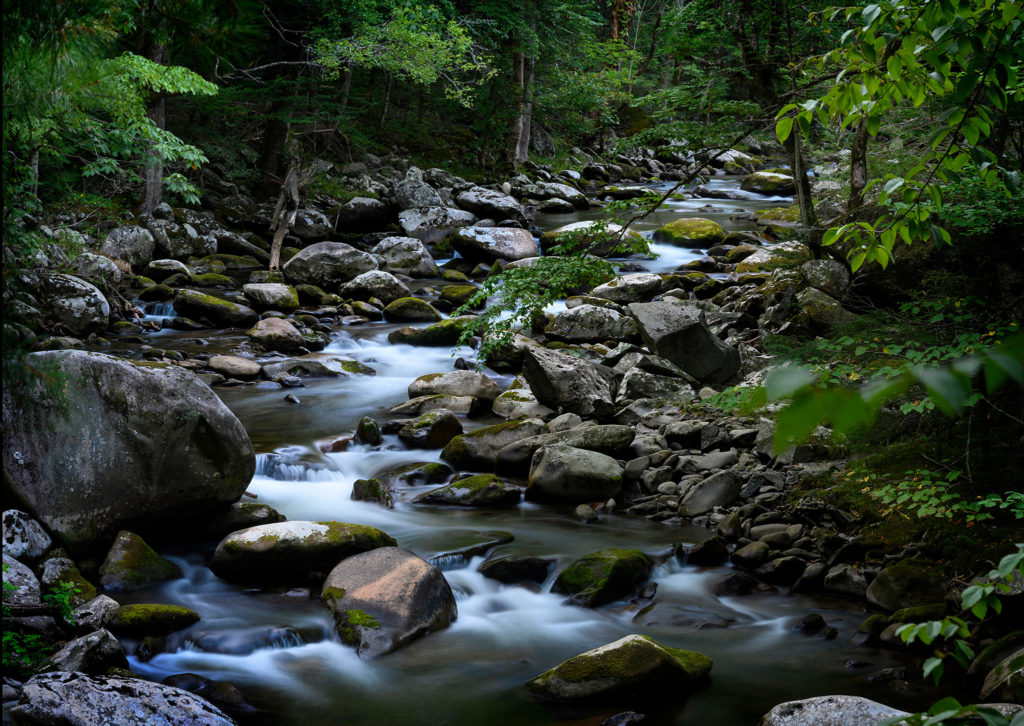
(133, 244)
(709, 553)
(691, 232)
(289, 551)
(456, 383)
(327, 265)
(126, 443)
(479, 449)
(131, 564)
(591, 324)
(383, 599)
(432, 225)
(634, 668)
(138, 620)
(276, 334)
(74, 303)
(519, 403)
(76, 699)
(490, 244)
(769, 183)
(554, 190)
(718, 490)
(95, 614)
(603, 577)
(271, 296)
(511, 569)
(233, 366)
(568, 384)
(444, 333)
(824, 311)
(411, 310)
(21, 586)
(375, 283)
(679, 332)
(423, 404)
(432, 430)
(846, 581)
(24, 538)
(774, 257)
(224, 313)
(564, 473)
(831, 710)
(638, 383)
(637, 287)
(93, 654)
(99, 269)
(413, 192)
(598, 240)
(490, 204)
(61, 575)
(906, 585)
(405, 256)
(362, 214)
(316, 366)
(611, 440)
(830, 276)
(480, 490)
(311, 225)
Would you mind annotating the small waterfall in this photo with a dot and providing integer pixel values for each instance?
(159, 310)
(447, 562)
(281, 467)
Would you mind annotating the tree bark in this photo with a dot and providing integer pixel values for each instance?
(275, 135)
(515, 133)
(387, 102)
(153, 173)
(285, 212)
(523, 146)
(858, 166)
(346, 89)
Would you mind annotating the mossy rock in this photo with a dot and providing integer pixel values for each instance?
(231, 262)
(443, 334)
(418, 474)
(131, 564)
(368, 430)
(372, 490)
(61, 576)
(906, 585)
(212, 279)
(123, 327)
(454, 276)
(142, 619)
(411, 310)
(632, 669)
(778, 214)
(157, 293)
(920, 613)
(603, 577)
(768, 183)
(590, 236)
(456, 295)
(691, 232)
(480, 490)
(773, 257)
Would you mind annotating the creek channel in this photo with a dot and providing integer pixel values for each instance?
(279, 647)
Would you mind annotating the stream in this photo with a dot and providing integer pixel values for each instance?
(279, 647)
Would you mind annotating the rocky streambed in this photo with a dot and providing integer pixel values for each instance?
(359, 527)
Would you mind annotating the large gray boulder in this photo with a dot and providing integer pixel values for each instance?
(132, 244)
(21, 586)
(631, 669)
(718, 490)
(289, 551)
(271, 296)
(679, 332)
(383, 599)
(76, 699)
(75, 304)
(431, 225)
(455, 383)
(831, 710)
(563, 473)
(195, 304)
(413, 192)
(568, 384)
(375, 283)
(491, 204)
(180, 241)
(636, 287)
(610, 440)
(24, 538)
(490, 244)
(479, 449)
(119, 443)
(276, 334)
(591, 324)
(553, 190)
(327, 265)
(767, 182)
(96, 268)
(94, 653)
(405, 256)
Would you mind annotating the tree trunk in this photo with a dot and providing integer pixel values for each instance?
(523, 147)
(275, 135)
(153, 173)
(285, 212)
(858, 166)
(387, 101)
(800, 180)
(515, 133)
(346, 88)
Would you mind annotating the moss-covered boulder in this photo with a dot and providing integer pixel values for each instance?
(417, 474)
(768, 183)
(456, 383)
(195, 304)
(432, 430)
(271, 296)
(479, 449)
(603, 577)
(60, 576)
(422, 404)
(411, 310)
(372, 490)
(824, 311)
(442, 334)
(480, 490)
(212, 280)
(691, 232)
(456, 295)
(131, 564)
(327, 265)
(597, 239)
(635, 667)
(906, 585)
(772, 257)
(276, 334)
(141, 619)
(287, 552)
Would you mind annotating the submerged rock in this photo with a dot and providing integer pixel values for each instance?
(603, 577)
(634, 667)
(480, 490)
(383, 599)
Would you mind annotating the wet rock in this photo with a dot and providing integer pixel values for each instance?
(846, 581)
(708, 553)
(518, 403)
(445, 333)
(75, 699)
(718, 490)
(432, 430)
(98, 269)
(385, 598)
(411, 310)
(634, 667)
(75, 303)
(21, 587)
(611, 440)
(832, 710)
(363, 214)
(271, 296)
(603, 577)
(455, 383)
(423, 404)
(768, 183)
(327, 265)
(234, 366)
(479, 449)
(691, 232)
(598, 240)
(61, 575)
(905, 585)
(405, 256)
(137, 443)
(131, 564)
(672, 615)
(516, 568)
(224, 313)
(565, 473)
(93, 654)
(750, 555)
(289, 551)
(568, 384)
(480, 490)
(490, 244)
(24, 538)
(679, 332)
(375, 284)
(95, 614)
(316, 366)
(591, 324)
(774, 257)
(142, 619)
(276, 334)
(432, 225)
(632, 288)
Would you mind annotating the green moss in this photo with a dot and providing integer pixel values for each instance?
(137, 565)
(152, 619)
(351, 622)
(332, 593)
(691, 230)
(604, 576)
(919, 614)
(778, 214)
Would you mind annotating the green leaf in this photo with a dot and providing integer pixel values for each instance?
(783, 128)
(784, 381)
(946, 389)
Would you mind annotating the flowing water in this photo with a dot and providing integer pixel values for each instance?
(278, 647)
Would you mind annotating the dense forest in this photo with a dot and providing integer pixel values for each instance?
(596, 361)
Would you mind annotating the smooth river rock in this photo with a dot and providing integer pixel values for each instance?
(831, 710)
